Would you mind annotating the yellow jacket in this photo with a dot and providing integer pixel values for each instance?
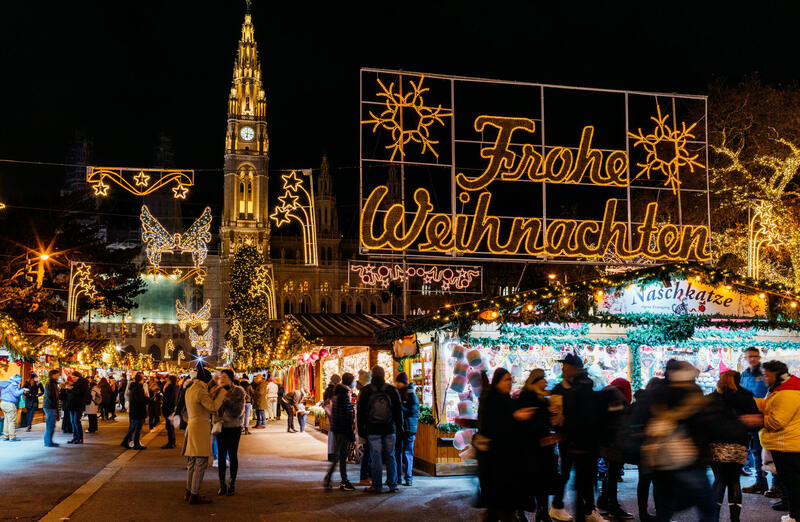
(781, 409)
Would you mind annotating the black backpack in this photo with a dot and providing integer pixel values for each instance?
(379, 407)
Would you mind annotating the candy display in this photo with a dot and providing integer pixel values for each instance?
(458, 383)
(458, 351)
(460, 368)
(475, 358)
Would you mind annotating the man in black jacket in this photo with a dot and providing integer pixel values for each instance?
(76, 404)
(168, 404)
(341, 425)
(50, 407)
(137, 414)
(580, 441)
(122, 386)
(380, 419)
(404, 450)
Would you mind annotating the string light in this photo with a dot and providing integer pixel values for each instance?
(457, 276)
(97, 176)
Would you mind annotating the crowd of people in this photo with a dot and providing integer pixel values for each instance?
(528, 443)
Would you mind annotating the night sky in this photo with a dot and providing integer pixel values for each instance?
(123, 72)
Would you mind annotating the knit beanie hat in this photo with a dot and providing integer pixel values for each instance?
(402, 377)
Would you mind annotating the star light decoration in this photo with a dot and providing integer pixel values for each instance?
(298, 203)
(141, 180)
(80, 283)
(666, 148)
(398, 109)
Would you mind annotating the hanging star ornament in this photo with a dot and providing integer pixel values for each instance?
(141, 179)
(291, 181)
(101, 189)
(180, 192)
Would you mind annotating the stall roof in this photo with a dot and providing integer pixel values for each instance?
(343, 329)
(39, 339)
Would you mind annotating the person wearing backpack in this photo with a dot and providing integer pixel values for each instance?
(380, 420)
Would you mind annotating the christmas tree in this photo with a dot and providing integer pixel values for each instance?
(249, 308)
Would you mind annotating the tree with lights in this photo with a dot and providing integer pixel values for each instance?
(250, 309)
(755, 156)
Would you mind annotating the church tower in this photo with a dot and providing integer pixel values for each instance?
(245, 217)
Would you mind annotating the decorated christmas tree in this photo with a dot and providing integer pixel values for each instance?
(250, 309)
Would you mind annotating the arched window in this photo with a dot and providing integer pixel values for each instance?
(322, 255)
(242, 198)
(155, 353)
(287, 307)
(305, 301)
(178, 349)
(358, 307)
(343, 307)
(373, 308)
(330, 255)
(250, 196)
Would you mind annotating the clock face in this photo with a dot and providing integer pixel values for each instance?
(247, 133)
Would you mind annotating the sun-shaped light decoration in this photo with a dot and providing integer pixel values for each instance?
(407, 117)
(666, 150)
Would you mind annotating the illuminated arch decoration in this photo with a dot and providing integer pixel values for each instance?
(403, 132)
(264, 285)
(80, 283)
(187, 319)
(668, 159)
(139, 182)
(764, 230)
(298, 203)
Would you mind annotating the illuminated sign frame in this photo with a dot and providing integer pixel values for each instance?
(451, 279)
(405, 120)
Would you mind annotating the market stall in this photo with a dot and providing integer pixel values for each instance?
(327, 344)
(627, 325)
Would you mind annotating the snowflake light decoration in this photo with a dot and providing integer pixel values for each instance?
(666, 148)
(399, 108)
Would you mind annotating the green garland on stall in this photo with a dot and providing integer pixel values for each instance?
(547, 305)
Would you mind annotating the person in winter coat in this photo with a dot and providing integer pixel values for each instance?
(10, 392)
(105, 394)
(63, 397)
(537, 443)
(280, 403)
(168, 403)
(92, 408)
(201, 402)
(111, 405)
(272, 400)
(781, 432)
(634, 437)
(248, 404)
(230, 415)
(79, 397)
(380, 419)
(327, 397)
(729, 454)
(681, 424)
(137, 406)
(291, 401)
(34, 391)
(404, 449)
(752, 380)
(341, 425)
(154, 405)
(496, 448)
(260, 401)
(617, 398)
(122, 388)
(50, 407)
(581, 410)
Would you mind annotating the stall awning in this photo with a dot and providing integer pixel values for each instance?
(343, 329)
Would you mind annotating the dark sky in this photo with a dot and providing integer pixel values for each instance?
(125, 71)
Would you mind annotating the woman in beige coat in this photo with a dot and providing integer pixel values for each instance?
(200, 403)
